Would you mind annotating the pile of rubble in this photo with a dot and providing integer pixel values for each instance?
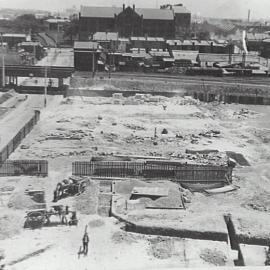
(244, 113)
(214, 158)
(62, 134)
(135, 139)
(137, 99)
(134, 127)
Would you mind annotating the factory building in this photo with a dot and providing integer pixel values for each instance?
(167, 22)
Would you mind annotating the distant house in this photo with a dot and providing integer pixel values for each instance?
(148, 43)
(34, 48)
(108, 40)
(185, 58)
(12, 39)
(55, 24)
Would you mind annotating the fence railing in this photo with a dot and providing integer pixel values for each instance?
(16, 140)
(178, 172)
(24, 167)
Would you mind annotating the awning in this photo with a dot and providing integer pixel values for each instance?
(168, 59)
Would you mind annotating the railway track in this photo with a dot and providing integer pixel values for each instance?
(252, 81)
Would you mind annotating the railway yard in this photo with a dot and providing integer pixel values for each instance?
(168, 181)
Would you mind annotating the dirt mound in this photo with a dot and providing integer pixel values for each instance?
(87, 202)
(260, 202)
(10, 225)
(124, 237)
(20, 201)
(96, 223)
(161, 248)
(214, 257)
(5, 96)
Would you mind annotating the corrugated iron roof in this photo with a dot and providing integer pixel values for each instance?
(185, 55)
(174, 42)
(14, 35)
(187, 42)
(159, 53)
(109, 12)
(155, 14)
(86, 45)
(103, 36)
(100, 12)
(211, 57)
(147, 39)
(180, 9)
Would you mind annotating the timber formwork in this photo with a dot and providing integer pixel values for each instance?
(152, 169)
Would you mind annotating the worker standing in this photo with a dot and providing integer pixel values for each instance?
(85, 243)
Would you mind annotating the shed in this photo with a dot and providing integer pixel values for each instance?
(86, 54)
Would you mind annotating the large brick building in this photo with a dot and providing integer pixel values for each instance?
(168, 22)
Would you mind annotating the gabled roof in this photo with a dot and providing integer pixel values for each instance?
(109, 12)
(174, 42)
(105, 36)
(180, 9)
(85, 45)
(147, 39)
(185, 55)
(100, 12)
(155, 14)
(14, 35)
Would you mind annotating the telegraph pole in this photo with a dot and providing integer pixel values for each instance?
(93, 63)
(3, 62)
(45, 85)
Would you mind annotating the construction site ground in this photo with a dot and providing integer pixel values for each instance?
(78, 128)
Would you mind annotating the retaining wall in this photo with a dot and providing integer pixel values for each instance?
(167, 231)
(6, 151)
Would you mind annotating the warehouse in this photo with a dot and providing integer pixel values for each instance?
(132, 21)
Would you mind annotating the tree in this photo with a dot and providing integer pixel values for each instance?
(71, 29)
(27, 22)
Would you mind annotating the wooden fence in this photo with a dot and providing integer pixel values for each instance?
(16, 140)
(175, 171)
(24, 167)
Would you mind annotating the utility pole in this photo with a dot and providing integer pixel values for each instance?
(93, 64)
(45, 85)
(109, 64)
(3, 62)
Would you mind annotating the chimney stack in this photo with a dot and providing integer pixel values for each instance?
(124, 6)
(133, 7)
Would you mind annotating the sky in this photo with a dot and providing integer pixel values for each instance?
(208, 8)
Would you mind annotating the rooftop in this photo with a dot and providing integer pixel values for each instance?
(147, 39)
(105, 36)
(86, 45)
(180, 9)
(57, 20)
(185, 55)
(14, 35)
(147, 13)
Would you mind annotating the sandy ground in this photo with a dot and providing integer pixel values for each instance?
(79, 128)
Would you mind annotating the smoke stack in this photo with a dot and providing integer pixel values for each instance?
(133, 7)
(124, 6)
(249, 15)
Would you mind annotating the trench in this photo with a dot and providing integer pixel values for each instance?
(104, 198)
(234, 242)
